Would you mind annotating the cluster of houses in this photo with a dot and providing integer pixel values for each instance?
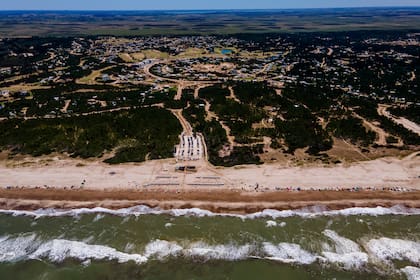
(172, 45)
(244, 68)
(326, 64)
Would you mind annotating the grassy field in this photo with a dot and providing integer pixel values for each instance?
(153, 54)
(91, 79)
(15, 24)
(192, 52)
(126, 57)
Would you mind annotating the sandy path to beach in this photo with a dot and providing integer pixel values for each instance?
(414, 127)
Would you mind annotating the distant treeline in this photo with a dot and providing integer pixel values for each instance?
(136, 23)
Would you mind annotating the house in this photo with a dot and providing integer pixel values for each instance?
(105, 78)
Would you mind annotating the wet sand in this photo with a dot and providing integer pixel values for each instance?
(215, 201)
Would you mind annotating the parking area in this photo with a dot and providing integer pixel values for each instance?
(190, 148)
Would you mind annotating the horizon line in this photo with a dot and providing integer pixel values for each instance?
(203, 10)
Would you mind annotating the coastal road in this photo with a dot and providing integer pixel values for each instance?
(147, 68)
(181, 84)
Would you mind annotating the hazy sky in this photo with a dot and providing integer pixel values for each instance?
(192, 4)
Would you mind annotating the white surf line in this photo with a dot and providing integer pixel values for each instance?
(196, 212)
(346, 253)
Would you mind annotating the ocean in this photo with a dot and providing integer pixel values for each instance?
(145, 243)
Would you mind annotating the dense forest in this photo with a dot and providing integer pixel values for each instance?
(135, 135)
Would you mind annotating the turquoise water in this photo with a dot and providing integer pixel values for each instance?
(226, 51)
(142, 243)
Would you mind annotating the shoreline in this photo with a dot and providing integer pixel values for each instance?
(62, 183)
(229, 202)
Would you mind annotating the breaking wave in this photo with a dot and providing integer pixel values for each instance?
(412, 273)
(59, 250)
(196, 212)
(386, 249)
(289, 253)
(15, 249)
(343, 252)
(346, 252)
(24, 247)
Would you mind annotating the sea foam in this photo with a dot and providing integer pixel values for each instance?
(16, 248)
(288, 253)
(219, 252)
(271, 224)
(28, 246)
(346, 252)
(58, 250)
(196, 212)
(386, 249)
(162, 249)
(343, 251)
(412, 273)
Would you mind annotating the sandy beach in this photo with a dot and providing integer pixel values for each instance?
(58, 172)
(56, 182)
